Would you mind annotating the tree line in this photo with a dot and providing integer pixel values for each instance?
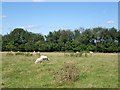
(97, 40)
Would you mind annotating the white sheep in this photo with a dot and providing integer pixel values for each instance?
(39, 60)
(44, 57)
(83, 54)
(91, 52)
(33, 51)
(38, 52)
(77, 52)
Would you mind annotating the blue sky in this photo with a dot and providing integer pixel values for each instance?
(42, 17)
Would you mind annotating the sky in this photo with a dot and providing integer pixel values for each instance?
(42, 17)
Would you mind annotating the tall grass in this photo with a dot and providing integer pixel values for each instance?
(95, 71)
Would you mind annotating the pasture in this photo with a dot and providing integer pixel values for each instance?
(98, 70)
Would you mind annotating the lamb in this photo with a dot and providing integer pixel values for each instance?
(39, 60)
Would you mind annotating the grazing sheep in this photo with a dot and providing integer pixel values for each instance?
(44, 57)
(18, 51)
(39, 60)
(77, 52)
(83, 54)
(38, 52)
(34, 52)
(91, 52)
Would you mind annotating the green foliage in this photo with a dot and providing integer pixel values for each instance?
(66, 54)
(97, 39)
(28, 54)
(71, 54)
(67, 73)
(9, 54)
(74, 54)
(86, 55)
(80, 54)
(19, 53)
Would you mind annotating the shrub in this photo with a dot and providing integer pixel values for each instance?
(67, 73)
(71, 54)
(80, 54)
(76, 55)
(28, 54)
(66, 54)
(9, 54)
(19, 53)
(85, 54)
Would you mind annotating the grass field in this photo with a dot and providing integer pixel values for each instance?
(96, 71)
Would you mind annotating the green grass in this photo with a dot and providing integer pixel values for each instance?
(96, 71)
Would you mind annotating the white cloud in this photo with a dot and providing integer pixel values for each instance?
(55, 27)
(4, 16)
(31, 27)
(58, 27)
(21, 27)
(110, 22)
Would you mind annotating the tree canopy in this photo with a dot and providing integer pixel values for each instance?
(96, 39)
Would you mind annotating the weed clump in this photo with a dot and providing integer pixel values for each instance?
(19, 53)
(9, 54)
(71, 54)
(67, 73)
(66, 54)
(28, 54)
(86, 55)
(76, 54)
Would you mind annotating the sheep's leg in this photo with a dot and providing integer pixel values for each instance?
(41, 62)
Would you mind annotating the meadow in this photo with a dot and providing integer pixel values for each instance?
(97, 70)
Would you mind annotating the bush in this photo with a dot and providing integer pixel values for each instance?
(71, 54)
(66, 54)
(80, 54)
(19, 53)
(85, 54)
(28, 54)
(67, 73)
(74, 55)
(9, 54)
